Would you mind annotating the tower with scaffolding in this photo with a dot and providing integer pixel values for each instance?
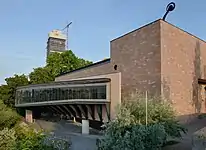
(58, 40)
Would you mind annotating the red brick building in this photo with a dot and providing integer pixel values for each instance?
(159, 58)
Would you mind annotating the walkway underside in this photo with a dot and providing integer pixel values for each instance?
(85, 99)
(96, 112)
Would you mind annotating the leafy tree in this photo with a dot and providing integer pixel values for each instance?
(62, 62)
(57, 63)
(7, 92)
(41, 75)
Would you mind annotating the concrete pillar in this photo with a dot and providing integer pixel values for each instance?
(29, 116)
(85, 126)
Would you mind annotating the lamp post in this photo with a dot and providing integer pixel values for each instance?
(170, 7)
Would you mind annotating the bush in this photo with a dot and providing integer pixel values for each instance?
(58, 143)
(129, 129)
(139, 137)
(159, 111)
(30, 139)
(7, 139)
(8, 117)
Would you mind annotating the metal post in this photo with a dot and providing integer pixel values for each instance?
(146, 99)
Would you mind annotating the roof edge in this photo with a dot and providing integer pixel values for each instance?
(85, 67)
(53, 83)
(143, 26)
(183, 30)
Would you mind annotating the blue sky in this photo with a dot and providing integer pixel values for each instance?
(24, 26)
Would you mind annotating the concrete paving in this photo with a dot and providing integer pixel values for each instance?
(88, 142)
(70, 131)
(186, 142)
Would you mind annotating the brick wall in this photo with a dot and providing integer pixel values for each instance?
(183, 58)
(137, 55)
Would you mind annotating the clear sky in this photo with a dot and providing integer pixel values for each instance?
(24, 26)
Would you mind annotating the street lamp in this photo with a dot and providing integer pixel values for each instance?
(170, 7)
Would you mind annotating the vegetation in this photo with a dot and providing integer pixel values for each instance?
(24, 138)
(130, 131)
(57, 63)
(7, 92)
(14, 136)
(8, 117)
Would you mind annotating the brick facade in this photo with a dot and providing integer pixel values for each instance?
(159, 58)
(137, 55)
(183, 57)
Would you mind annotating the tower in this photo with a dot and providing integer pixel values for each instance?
(56, 42)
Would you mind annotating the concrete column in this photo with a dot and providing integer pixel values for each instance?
(29, 116)
(85, 126)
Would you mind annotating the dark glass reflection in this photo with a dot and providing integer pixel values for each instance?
(55, 94)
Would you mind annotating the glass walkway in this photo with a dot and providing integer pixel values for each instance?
(84, 91)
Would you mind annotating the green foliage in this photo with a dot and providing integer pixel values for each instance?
(136, 137)
(58, 143)
(7, 139)
(56, 64)
(41, 75)
(7, 92)
(29, 139)
(159, 111)
(130, 131)
(8, 117)
(59, 63)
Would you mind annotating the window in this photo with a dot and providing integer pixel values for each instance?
(65, 93)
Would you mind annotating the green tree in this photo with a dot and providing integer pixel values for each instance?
(59, 63)
(41, 75)
(7, 92)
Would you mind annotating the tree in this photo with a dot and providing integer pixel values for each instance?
(41, 75)
(59, 63)
(7, 92)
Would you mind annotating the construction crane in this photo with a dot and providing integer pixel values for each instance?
(67, 32)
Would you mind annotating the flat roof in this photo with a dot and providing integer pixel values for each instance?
(74, 82)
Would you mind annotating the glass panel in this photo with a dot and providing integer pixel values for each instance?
(65, 93)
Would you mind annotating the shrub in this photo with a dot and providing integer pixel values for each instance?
(8, 117)
(58, 143)
(159, 111)
(27, 138)
(129, 129)
(7, 139)
(139, 137)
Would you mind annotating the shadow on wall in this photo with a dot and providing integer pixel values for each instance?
(196, 95)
